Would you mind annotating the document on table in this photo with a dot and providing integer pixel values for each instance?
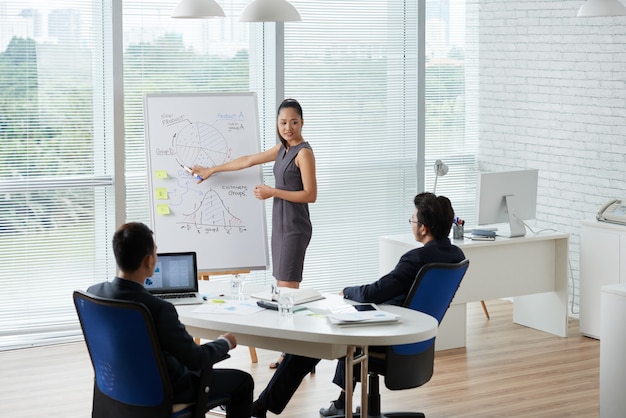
(370, 317)
(225, 306)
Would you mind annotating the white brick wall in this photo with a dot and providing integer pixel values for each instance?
(553, 97)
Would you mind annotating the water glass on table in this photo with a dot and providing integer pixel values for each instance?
(285, 304)
(236, 286)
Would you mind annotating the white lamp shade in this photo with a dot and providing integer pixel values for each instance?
(270, 11)
(441, 169)
(197, 9)
(601, 8)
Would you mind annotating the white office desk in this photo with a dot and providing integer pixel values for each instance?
(311, 336)
(533, 269)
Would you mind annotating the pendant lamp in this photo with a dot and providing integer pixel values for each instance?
(270, 11)
(198, 9)
(257, 11)
(601, 8)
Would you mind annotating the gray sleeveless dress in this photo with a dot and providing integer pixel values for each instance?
(291, 225)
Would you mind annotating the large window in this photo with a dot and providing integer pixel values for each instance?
(353, 70)
(55, 149)
(451, 101)
(352, 65)
(166, 55)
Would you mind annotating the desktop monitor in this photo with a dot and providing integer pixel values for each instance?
(508, 196)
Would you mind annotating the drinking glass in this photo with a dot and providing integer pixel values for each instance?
(285, 304)
(236, 286)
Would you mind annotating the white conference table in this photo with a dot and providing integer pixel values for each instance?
(531, 269)
(310, 335)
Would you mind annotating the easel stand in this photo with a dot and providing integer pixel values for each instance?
(203, 275)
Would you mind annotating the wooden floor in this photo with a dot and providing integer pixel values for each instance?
(506, 370)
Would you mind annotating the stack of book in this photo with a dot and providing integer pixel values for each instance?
(483, 235)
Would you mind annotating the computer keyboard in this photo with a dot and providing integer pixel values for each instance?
(177, 295)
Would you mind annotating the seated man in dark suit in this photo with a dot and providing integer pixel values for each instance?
(431, 223)
(135, 254)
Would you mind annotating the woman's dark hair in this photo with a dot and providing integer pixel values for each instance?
(292, 103)
(435, 212)
(132, 242)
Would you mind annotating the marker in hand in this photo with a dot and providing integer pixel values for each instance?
(190, 171)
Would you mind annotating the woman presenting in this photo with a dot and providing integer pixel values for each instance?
(295, 187)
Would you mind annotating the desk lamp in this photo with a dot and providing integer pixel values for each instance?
(441, 169)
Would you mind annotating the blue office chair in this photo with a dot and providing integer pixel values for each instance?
(131, 379)
(408, 366)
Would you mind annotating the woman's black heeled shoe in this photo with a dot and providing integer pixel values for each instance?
(275, 364)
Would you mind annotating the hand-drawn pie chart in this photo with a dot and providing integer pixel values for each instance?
(200, 144)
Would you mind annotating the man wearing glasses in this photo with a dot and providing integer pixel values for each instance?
(431, 222)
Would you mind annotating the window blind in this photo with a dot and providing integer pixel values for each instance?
(166, 55)
(353, 67)
(55, 190)
(451, 90)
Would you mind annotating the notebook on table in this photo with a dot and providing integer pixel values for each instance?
(175, 279)
(300, 296)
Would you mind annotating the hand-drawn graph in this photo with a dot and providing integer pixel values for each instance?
(212, 213)
(218, 218)
(198, 143)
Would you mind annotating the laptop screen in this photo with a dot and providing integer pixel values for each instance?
(174, 273)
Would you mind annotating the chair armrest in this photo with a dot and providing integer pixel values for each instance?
(204, 400)
(202, 395)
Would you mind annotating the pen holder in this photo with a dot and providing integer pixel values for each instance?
(457, 231)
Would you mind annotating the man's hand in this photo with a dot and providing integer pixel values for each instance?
(231, 339)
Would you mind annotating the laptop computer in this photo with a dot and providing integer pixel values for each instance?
(175, 278)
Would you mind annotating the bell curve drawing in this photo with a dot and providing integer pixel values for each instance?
(219, 218)
(201, 144)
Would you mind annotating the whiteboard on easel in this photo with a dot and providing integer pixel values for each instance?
(219, 219)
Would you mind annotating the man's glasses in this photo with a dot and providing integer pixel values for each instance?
(411, 221)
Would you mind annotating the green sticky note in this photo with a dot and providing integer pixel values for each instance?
(160, 174)
(161, 193)
(163, 209)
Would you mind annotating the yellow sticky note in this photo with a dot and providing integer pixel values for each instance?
(160, 174)
(163, 209)
(161, 193)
